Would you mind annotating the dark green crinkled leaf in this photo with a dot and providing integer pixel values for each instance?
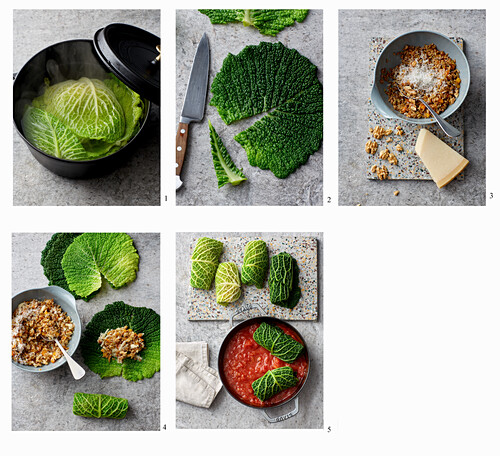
(273, 77)
(267, 21)
(117, 315)
(284, 289)
(99, 406)
(273, 382)
(225, 169)
(51, 261)
(278, 343)
(255, 263)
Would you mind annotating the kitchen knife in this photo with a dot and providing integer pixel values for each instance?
(194, 102)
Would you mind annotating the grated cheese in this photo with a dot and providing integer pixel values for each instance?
(422, 76)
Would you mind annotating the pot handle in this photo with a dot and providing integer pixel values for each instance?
(284, 417)
(244, 308)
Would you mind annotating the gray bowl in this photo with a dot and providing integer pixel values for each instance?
(67, 302)
(388, 59)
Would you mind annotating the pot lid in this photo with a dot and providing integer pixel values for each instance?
(133, 56)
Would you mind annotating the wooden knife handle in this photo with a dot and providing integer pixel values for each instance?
(180, 146)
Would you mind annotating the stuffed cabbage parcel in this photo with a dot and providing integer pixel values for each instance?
(227, 283)
(84, 119)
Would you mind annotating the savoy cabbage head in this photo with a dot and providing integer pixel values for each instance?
(83, 119)
(139, 320)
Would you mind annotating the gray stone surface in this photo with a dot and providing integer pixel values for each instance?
(356, 27)
(225, 412)
(137, 181)
(304, 186)
(43, 402)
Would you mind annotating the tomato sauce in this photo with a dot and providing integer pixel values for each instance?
(245, 361)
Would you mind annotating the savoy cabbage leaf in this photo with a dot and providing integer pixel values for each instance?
(266, 21)
(205, 261)
(278, 343)
(92, 255)
(51, 258)
(272, 78)
(139, 320)
(225, 170)
(273, 382)
(227, 283)
(255, 263)
(50, 135)
(99, 406)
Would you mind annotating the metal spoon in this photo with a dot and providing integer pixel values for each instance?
(449, 129)
(77, 370)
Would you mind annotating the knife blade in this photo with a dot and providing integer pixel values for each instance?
(194, 102)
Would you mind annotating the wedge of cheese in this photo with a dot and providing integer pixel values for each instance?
(443, 163)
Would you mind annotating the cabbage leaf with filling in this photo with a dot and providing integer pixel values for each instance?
(99, 406)
(278, 343)
(284, 289)
(273, 382)
(227, 283)
(204, 262)
(138, 319)
(255, 263)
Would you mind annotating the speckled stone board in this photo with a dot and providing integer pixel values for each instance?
(203, 305)
(409, 165)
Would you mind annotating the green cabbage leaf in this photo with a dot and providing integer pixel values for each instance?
(204, 262)
(266, 21)
(278, 343)
(284, 289)
(225, 170)
(51, 259)
(227, 283)
(99, 406)
(280, 81)
(50, 135)
(273, 382)
(139, 320)
(255, 263)
(93, 255)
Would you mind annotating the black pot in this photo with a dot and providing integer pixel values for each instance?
(59, 62)
(222, 351)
